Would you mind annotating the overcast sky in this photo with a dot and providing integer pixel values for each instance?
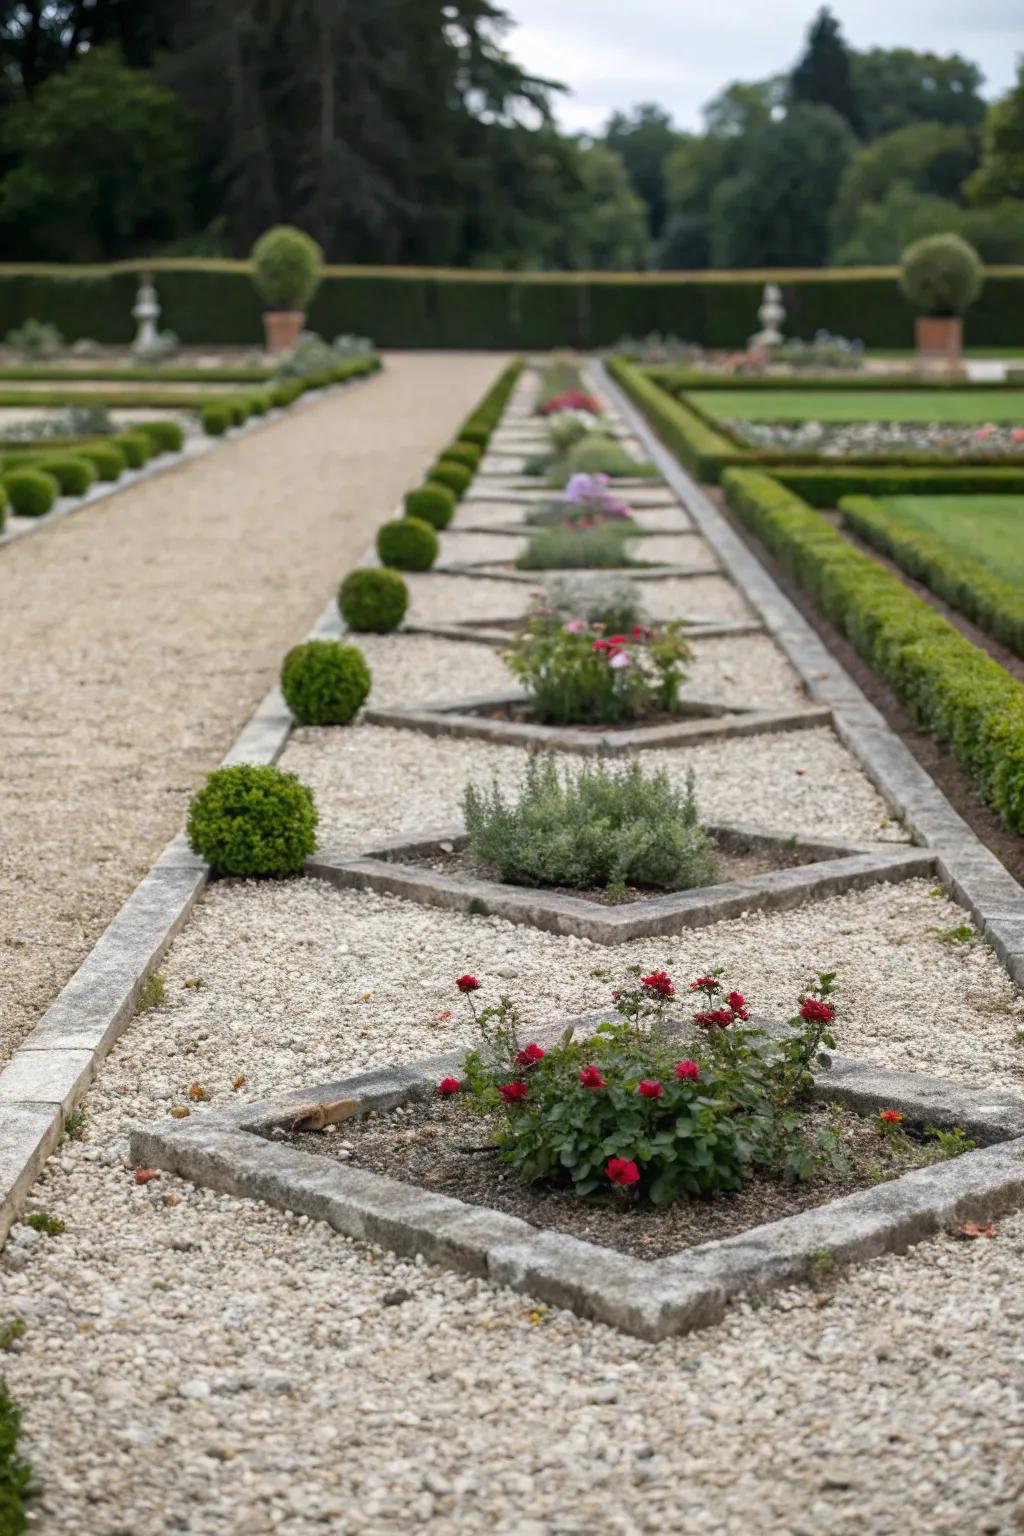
(615, 53)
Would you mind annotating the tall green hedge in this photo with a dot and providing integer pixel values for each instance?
(215, 302)
(949, 687)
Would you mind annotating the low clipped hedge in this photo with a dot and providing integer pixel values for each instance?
(825, 487)
(3, 507)
(949, 687)
(434, 504)
(253, 821)
(137, 448)
(30, 492)
(325, 683)
(73, 475)
(373, 601)
(16, 1482)
(408, 544)
(216, 420)
(464, 452)
(694, 442)
(996, 606)
(107, 459)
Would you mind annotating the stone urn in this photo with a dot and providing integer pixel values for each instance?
(282, 328)
(939, 335)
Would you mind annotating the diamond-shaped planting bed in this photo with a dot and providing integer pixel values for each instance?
(762, 871)
(506, 718)
(490, 570)
(504, 631)
(249, 1152)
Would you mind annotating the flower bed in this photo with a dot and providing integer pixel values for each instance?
(575, 673)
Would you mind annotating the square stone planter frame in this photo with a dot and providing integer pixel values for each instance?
(397, 868)
(707, 722)
(229, 1151)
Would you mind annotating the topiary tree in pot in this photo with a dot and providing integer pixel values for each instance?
(941, 276)
(286, 267)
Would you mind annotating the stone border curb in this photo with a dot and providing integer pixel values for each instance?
(653, 1299)
(490, 570)
(480, 634)
(454, 717)
(973, 874)
(832, 868)
(161, 464)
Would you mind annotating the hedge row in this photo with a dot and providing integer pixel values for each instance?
(995, 605)
(680, 381)
(826, 485)
(42, 373)
(948, 686)
(687, 433)
(215, 302)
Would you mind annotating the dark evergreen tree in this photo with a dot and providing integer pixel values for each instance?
(823, 76)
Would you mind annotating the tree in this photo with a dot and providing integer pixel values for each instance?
(823, 76)
(40, 38)
(1001, 173)
(644, 139)
(774, 213)
(885, 228)
(104, 163)
(928, 157)
(610, 233)
(897, 86)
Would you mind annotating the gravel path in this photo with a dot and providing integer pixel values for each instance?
(198, 1364)
(137, 638)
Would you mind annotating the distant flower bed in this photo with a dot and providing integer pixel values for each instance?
(889, 438)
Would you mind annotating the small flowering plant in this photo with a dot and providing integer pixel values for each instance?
(577, 674)
(586, 502)
(570, 400)
(635, 1109)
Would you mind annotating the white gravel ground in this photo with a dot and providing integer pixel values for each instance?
(202, 1365)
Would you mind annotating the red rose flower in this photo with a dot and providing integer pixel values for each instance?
(591, 1077)
(891, 1116)
(704, 984)
(467, 983)
(621, 1171)
(529, 1054)
(736, 1001)
(641, 632)
(814, 1011)
(723, 1017)
(687, 1071)
(512, 1093)
(616, 640)
(447, 1086)
(659, 983)
(648, 1088)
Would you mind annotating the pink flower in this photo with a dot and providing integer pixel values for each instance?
(1017, 435)
(591, 1077)
(447, 1086)
(982, 434)
(687, 1071)
(529, 1054)
(649, 1089)
(619, 660)
(512, 1093)
(574, 626)
(622, 1171)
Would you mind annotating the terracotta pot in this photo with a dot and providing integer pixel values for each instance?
(282, 328)
(939, 335)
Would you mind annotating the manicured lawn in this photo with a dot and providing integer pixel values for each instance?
(963, 406)
(990, 529)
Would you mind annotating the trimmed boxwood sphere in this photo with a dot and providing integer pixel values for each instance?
(475, 432)
(74, 476)
(136, 447)
(455, 476)
(216, 420)
(325, 683)
(166, 436)
(106, 458)
(434, 504)
(463, 452)
(373, 601)
(30, 492)
(409, 544)
(253, 821)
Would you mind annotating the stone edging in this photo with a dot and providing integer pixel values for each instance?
(454, 717)
(491, 570)
(652, 1299)
(974, 876)
(481, 634)
(838, 867)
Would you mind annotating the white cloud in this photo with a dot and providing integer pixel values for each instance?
(615, 53)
